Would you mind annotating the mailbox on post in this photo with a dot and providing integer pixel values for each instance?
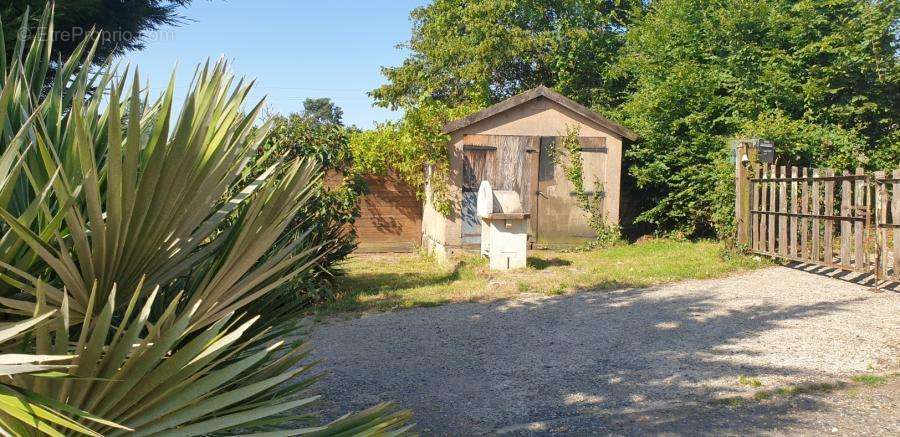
(753, 149)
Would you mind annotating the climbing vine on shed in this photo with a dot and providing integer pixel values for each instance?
(568, 157)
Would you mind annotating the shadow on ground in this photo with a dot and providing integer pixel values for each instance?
(855, 277)
(541, 263)
(629, 361)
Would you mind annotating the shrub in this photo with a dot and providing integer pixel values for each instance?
(331, 210)
(415, 147)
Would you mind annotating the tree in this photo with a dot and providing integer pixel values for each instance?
(145, 266)
(123, 24)
(464, 52)
(467, 55)
(820, 77)
(323, 111)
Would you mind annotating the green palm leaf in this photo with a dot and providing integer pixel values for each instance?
(130, 231)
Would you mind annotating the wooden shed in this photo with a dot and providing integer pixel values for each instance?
(510, 144)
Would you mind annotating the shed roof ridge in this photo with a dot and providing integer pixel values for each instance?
(527, 96)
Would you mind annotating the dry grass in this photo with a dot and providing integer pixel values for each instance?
(390, 281)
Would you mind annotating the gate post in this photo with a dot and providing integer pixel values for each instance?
(742, 161)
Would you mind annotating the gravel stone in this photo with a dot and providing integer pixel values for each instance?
(630, 361)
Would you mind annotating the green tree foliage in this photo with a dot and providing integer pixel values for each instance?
(468, 55)
(123, 24)
(820, 77)
(411, 147)
(464, 52)
(323, 110)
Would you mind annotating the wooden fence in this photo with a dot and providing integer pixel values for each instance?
(390, 214)
(887, 225)
(824, 217)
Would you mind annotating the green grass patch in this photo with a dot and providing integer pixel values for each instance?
(752, 382)
(817, 388)
(850, 388)
(390, 281)
(762, 395)
(870, 380)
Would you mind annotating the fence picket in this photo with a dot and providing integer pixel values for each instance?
(880, 231)
(763, 217)
(895, 219)
(793, 229)
(829, 224)
(804, 222)
(773, 186)
(860, 196)
(759, 206)
(816, 211)
(752, 218)
(846, 196)
(782, 219)
(754, 206)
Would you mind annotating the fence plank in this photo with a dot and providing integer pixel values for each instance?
(783, 220)
(793, 229)
(815, 255)
(764, 218)
(881, 198)
(758, 186)
(773, 186)
(860, 196)
(755, 206)
(829, 224)
(751, 234)
(846, 197)
(895, 219)
(804, 222)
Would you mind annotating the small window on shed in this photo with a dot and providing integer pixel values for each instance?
(546, 167)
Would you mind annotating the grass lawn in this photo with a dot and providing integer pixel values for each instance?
(389, 281)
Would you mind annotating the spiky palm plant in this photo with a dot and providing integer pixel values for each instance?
(123, 216)
(23, 411)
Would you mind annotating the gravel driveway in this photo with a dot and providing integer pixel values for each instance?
(627, 361)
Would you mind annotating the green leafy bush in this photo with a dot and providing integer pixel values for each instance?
(328, 216)
(415, 147)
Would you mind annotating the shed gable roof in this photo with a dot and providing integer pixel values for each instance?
(540, 91)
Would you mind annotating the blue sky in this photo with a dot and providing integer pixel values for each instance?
(294, 49)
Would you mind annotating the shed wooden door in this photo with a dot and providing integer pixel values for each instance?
(559, 218)
(508, 162)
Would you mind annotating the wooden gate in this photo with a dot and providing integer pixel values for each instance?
(887, 226)
(819, 216)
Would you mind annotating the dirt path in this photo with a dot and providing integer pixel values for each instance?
(628, 361)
